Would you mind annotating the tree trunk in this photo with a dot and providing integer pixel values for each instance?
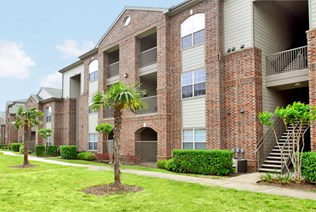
(116, 153)
(26, 147)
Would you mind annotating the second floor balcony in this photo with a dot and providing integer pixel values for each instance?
(151, 102)
(113, 69)
(147, 57)
(287, 67)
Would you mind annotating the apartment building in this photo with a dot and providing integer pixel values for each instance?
(2, 127)
(209, 67)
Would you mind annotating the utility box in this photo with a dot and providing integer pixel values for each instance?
(240, 165)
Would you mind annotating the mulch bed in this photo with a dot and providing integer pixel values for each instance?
(24, 166)
(112, 189)
(306, 186)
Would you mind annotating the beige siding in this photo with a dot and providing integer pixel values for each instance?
(93, 87)
(48, 125)
(270, 31)
(312, 11)
(193, 58)
(193, 113)
(238, 24)
(93, 122)
(66, 80)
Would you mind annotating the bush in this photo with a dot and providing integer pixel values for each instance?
(161, 164)
(68, 152)
(86, 156)
(309, 166)
(51, 151)
(40, 151)
(103, 156)
(2, 146)
(214, 162)
(15, 147)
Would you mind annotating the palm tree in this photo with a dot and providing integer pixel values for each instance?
(27, 118)
(119, 97)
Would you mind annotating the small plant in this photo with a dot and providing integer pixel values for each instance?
(40, 151)
(284, 178)
(68, 152)
(86, 156)
(267, 177)
(103, 157)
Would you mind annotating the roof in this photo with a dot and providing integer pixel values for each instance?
(51, 93)
(164, 10)
(71, 66)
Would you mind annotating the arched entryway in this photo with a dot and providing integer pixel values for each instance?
(146, 144)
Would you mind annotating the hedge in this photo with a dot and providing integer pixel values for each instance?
(15, 147)
(309, 166)
(86, 156)
(40, 151)
(207, 162)
(68, 152)
(51, 151)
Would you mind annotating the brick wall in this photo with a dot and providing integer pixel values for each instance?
(311, 39)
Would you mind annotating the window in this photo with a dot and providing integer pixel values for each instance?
(193, 83)
(93, 76)
(49, 141)
(48, 114)
(193, 30)
(194, 139)
(93, 141)
(91, 110)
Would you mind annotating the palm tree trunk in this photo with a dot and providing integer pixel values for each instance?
(117, 134)
(26, 147)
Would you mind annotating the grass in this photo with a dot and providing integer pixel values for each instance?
(48, 187)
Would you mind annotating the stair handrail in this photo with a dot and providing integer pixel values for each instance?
(279, 129)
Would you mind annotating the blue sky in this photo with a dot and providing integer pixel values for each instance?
(38, 38)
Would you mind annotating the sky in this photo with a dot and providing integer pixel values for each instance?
(38, 38)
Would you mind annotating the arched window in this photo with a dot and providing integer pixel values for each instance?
(48, 114)
(193, 30)
(93, 71)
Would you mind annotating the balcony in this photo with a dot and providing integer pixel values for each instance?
(113, 70)
(148, 57)
(108, 113)
(151, 102)
(287, 67)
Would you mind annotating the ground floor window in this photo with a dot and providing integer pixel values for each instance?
(194, 139)
(93, 141)
(49, 141)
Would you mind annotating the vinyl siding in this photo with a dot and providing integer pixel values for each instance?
(193, 112)
(93, 122)
(312, 13)
(271, 36)
(48, 125)
(238, 24)
(93, 87)
(66, 80)
(193, 58)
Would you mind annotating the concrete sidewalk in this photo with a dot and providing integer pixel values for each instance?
(245, 182)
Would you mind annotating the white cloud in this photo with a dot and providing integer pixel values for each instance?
(52, 80)
(13, 60)
(71, 48)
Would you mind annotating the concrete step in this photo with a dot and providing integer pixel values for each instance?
(270, 170)
(279, 150)
(273, 161)
(278, 154)
(277, 158)
(271, 165)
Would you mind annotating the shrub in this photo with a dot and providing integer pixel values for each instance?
(2, 146)
(309, 166)
(86, 156)
(51, 150)
(214, 162)
(40, 150)
(15, 147)
(161, 164)
(103, 156)
(68, 152)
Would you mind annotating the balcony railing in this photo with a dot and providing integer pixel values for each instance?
(113, 69)
(151, 103)
(108, 113)
(148, 57)
(290, 60)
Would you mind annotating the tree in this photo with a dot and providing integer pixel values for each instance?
(296, 116)
(27, 118)
(45, 133)
(105, 129)
(119, 97)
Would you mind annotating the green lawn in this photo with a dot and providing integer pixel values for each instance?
(48, 187)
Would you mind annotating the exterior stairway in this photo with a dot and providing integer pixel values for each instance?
(275, 162)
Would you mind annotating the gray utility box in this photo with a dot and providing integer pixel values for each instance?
(240, 165)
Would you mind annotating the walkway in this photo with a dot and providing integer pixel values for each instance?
(245, 182)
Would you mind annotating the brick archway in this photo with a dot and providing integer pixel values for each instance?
(146, 144)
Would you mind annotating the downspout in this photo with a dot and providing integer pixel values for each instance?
(219, 72)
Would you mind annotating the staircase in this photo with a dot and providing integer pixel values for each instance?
(275, 162)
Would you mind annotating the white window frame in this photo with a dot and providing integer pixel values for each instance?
(93, 139)
(193, 83)
(191, 26)
(193, 137)
(93, 76)
(49, 141)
